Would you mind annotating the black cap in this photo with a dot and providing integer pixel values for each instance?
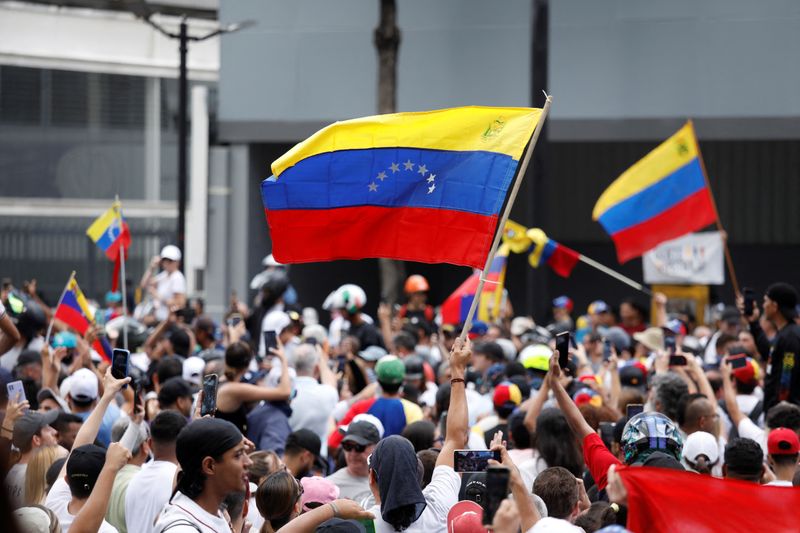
(731, 314)
(172, 389)
(84, 466)
(632, 376)
(362, 432)
(785, 296)
(304, 439)
(474, 488)
(338, 525)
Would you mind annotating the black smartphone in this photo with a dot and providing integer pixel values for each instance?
(606, 349)
(740, 361)
(270, 342)
(119, 364)
(669, 344)
(497, 478)
(465, 461)
(633, 409)
(234, 320)
(607, 433)
(562, 346)
(209, 405)
(677, 360)
(137, 397)
(749, 301)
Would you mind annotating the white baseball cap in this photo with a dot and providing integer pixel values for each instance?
(171, 252)
(193, 368)
(276, 321)
(701, 443)
(83, 386)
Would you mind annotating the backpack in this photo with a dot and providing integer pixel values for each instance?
(754, 415)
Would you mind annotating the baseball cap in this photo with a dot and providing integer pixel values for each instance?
(29, 424)
(785, 296)
(365, 417)
(730, 315)
(362, 432)
(34, 519)
(651, 338)
(391, 370)
(474, 488)
(171, 252)
(193, 368)
(172, 389)
(748, 373)
(479, 329)
(465, 517)
(276, 321)
(83, 386)
(317, 491)
(372, 353)
(521, 324)
(48, 393)
(597, 306)
(339, 525)
(633, 376)
(304, 439)
(506, 393)
(585, 395)
(29, 356)
(700, 443)
(619, 338)
(563, 302)
(536, 357)
(84, 466)
(783, 441)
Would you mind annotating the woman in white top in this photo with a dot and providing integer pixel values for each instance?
(167, 289)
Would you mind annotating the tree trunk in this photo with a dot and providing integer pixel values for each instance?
(387, 41)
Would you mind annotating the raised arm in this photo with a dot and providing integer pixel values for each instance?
(457, 417)
(731, 406)
(10, 336)
(522, 494)
(536, 407)
(565, 403)
(90, 517)
(345, 509)
(326, 375)
(699, 377)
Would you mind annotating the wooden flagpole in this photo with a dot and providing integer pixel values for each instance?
(506, 213)
(724, 234)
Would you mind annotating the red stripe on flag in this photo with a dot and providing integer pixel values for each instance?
(412, 234)
(563, 260)
(695, 212)
(73, 318)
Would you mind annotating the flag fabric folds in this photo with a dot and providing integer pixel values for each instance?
(74, 311)
(456, 307)
(545, 250)
(661, 500)
(663, 196)
(110, 232)
(424, 186)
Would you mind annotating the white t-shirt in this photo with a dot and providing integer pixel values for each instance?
(58, 501)
(182, 512)
(312, 407)
(147, 494)
(15, 485)
(779, 483)
(554, 525)
(441, 494)
(748, 430)
(167, 286)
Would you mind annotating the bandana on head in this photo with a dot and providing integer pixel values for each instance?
(207, 437)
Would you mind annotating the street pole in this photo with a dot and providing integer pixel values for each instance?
(182, 140)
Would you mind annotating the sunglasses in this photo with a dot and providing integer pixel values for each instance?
(353, 447)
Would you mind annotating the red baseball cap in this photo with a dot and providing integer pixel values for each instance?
(746, 374)
(465, 517)
(783, 441)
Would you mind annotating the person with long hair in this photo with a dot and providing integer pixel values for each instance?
(556, 443)
(233, 396)
(35, 475)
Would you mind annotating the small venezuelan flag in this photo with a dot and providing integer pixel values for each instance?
(456, 307)
(663, 196)
(74, 311)
(545, 250)
(110, 232)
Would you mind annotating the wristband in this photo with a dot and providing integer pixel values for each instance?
(335, 510)
(457, 380)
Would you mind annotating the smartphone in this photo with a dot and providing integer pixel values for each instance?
(607, 433)
(119, 364)
(209, 405)
(137, 397)
(669, 344)
(749, 301)
(465, 461)
(497, 478)
(677, 360)
(270, 341)
(634, 409)
(740, 361)
(234, 320)
(562, 346)
(606, 349)
(16, 391)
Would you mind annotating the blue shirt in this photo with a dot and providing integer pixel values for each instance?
(111, 416)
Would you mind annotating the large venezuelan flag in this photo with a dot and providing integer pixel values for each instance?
(74, 311)
(545, 250)
(424, 186)
(456, 307)
(661, 197)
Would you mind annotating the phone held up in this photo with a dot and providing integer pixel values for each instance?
(497, 478)
(562, 347)
(16, 391)
(466, 461)
(270, 342)
(633, 409)
(119, 364)
(749, 296)
(209, 405)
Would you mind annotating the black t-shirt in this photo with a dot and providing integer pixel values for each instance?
(367, 335)
(783, 380)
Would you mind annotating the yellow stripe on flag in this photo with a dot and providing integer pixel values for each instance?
(504, 130)
(539, 239)
(667, 157)
(103, 222)
(81, 299)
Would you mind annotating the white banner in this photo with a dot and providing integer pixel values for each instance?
(694, 259)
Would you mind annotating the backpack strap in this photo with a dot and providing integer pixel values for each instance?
(756, 412)
(182, 522)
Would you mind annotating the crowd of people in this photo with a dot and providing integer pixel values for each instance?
(328, 419)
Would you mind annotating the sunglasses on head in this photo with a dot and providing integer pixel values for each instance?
(353, 447)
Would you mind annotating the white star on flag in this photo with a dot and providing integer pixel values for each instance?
(381, 176)
(395, 168)
(409, 165)
(431, 178)
(373, 187)
(431, 188)
(422, 169)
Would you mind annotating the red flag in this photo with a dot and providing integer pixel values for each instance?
(661, 500)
